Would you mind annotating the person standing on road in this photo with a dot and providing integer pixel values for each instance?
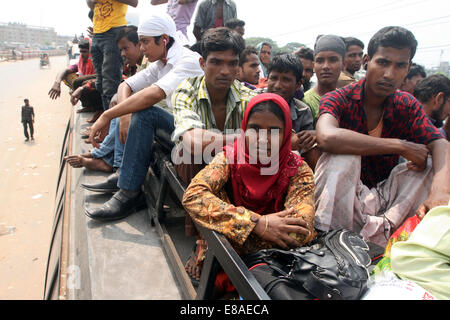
(28, 119)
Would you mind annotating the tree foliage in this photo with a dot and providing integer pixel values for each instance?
(256, 40)
(288, 48)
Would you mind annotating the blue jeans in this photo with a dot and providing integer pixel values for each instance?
(118, 147)
(137, 156)
(106, 150)
(108, 64)
(111, 149)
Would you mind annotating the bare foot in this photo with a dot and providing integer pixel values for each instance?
(97, 139)
(75, 161)
(78, 161)
(194, 264)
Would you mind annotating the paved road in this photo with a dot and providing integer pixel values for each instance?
(28, 172)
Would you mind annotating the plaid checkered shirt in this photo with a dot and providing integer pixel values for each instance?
(192, 106)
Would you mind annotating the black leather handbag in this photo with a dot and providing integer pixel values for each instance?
(333, 267)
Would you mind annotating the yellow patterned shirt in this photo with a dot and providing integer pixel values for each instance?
(109, 14)
(207, 202)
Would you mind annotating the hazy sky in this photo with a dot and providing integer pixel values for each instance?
(282, 20)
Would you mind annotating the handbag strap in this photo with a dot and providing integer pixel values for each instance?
(318, 289)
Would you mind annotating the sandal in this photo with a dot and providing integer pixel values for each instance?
(195, 260)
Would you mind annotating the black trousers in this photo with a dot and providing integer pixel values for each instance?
(26, 124)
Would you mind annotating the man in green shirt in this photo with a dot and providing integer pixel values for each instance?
(329, 53)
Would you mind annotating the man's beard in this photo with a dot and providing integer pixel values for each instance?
(437, 116)
(306, 86)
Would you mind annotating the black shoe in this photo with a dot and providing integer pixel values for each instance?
(117, 208)
(32, 138)
(27, 139)
(109, 186)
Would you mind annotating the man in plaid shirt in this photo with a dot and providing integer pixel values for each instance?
(28, 119)
(363, 129)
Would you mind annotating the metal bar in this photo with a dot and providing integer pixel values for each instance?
(53, 283)
(59, 209)
(63, 147)
(64, 257)
(162, 196)
(174, 182)
(208, 277)
(244, 281)
(183, 280)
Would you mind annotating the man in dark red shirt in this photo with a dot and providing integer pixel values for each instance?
(363, 129)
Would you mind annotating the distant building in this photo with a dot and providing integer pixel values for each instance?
(16, 34)
(444, 68)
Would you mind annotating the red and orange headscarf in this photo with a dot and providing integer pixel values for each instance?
(263, 194)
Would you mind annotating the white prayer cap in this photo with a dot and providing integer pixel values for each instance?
(156, 25)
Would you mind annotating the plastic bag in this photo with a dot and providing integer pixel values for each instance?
(401, 234)
(386, 286)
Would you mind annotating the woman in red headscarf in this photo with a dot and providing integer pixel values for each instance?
(257, 192)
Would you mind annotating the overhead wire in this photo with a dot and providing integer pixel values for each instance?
(434, 48)
(408, 25)
(357, 15)
(413, 24)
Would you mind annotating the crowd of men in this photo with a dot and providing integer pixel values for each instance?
(378, 145)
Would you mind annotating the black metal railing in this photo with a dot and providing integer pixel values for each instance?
(52, 274)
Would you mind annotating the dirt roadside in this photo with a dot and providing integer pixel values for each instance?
(28, 172)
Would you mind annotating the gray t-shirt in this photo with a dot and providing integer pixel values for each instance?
(207, 10)
(301, 115)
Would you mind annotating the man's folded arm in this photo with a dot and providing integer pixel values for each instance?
(141, 100)
(333, 139)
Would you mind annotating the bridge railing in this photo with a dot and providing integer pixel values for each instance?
(28, 54)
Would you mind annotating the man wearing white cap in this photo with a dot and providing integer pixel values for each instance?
(170, 65)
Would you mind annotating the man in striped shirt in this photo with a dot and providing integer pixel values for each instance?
(207, 111)
(209, 108)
